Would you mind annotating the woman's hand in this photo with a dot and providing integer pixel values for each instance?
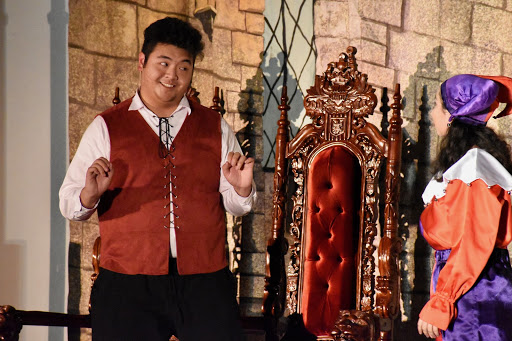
(427, 329)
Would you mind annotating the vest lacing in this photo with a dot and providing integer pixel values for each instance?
(165, 151)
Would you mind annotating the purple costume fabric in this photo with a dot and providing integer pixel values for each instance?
(485, 311)
(468, 98)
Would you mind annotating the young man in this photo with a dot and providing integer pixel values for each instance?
(160, 170)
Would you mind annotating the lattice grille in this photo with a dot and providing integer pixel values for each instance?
(289, 59)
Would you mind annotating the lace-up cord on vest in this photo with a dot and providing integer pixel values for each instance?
(165, 150)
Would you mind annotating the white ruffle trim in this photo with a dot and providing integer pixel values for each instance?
(475, 164)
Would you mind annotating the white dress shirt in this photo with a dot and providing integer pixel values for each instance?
(95, 143)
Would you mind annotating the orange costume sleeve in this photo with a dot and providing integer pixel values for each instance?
(466, 220)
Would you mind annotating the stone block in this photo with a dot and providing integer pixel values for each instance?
(250, 306)
(218, 56)
(254, 231)
(257, 6)
(492, 3)
(502, 126)
(88, 27)
(407, 50)
(507, 64)
(331, 19)
(386, 11)
(80, 116)
(255, 23)
(229, 16)
(423, 17)
(123, 34)
(252, 286)
(112, 73)
(75, 285)
(177, 7)
(79, 16)
(253, 263)
(491, 28)
(455, 20)
(372, 52)
(202, 81)
(247, 48)
(259, 207)
(253, 146)
(74, 255)
(378, 75)
(147, 16)
(245, 102)
(469, 59)
(252, 79)
(375, 32)
(230, 118)
(328, 50)
(81, 76)
(90, 233)
(85, 280)
(75, 232)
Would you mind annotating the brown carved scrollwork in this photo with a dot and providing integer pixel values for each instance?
(355, 325)
(388, 283)
(275, 277)
(193, 95)
(338, 105)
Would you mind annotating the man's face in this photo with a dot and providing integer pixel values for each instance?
(165, 77)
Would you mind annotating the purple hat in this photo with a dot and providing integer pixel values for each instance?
(469, 98)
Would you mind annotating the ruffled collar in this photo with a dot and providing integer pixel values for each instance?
(475, 164)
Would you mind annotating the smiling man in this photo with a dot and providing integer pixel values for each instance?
(160, 170)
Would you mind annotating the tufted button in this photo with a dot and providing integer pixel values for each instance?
(317, 257)
(326, 285)
(340, 209)
(339, 259)
(328, 185)
(329, 235)
(316, 209)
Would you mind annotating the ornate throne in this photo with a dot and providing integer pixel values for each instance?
(332, 281)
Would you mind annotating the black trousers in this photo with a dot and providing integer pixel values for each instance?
(141, 307)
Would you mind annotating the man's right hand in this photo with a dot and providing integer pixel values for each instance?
(97, 179)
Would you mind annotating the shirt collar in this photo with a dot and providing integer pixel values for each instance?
(137, 104)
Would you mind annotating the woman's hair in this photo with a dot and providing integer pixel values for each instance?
(461, 137)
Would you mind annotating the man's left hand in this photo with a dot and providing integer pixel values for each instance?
(238, 171)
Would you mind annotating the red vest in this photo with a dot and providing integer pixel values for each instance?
(134, 211)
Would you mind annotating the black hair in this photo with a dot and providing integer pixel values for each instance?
(175, 32)
(461, 137)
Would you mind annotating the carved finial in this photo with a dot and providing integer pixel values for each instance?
(351, 50)
(216, 101)
(116, 100)
(284, 107)
(193, 94)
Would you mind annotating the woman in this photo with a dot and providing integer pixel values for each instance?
(468, 216)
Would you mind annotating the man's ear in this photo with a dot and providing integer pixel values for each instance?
(142, 59)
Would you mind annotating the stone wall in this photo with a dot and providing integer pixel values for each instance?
(418, 44)
(105, 37)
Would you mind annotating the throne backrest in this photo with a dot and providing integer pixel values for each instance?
(336, 161)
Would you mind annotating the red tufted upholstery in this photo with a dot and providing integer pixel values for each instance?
(331, 238)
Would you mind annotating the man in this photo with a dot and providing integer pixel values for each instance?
(159, 170)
